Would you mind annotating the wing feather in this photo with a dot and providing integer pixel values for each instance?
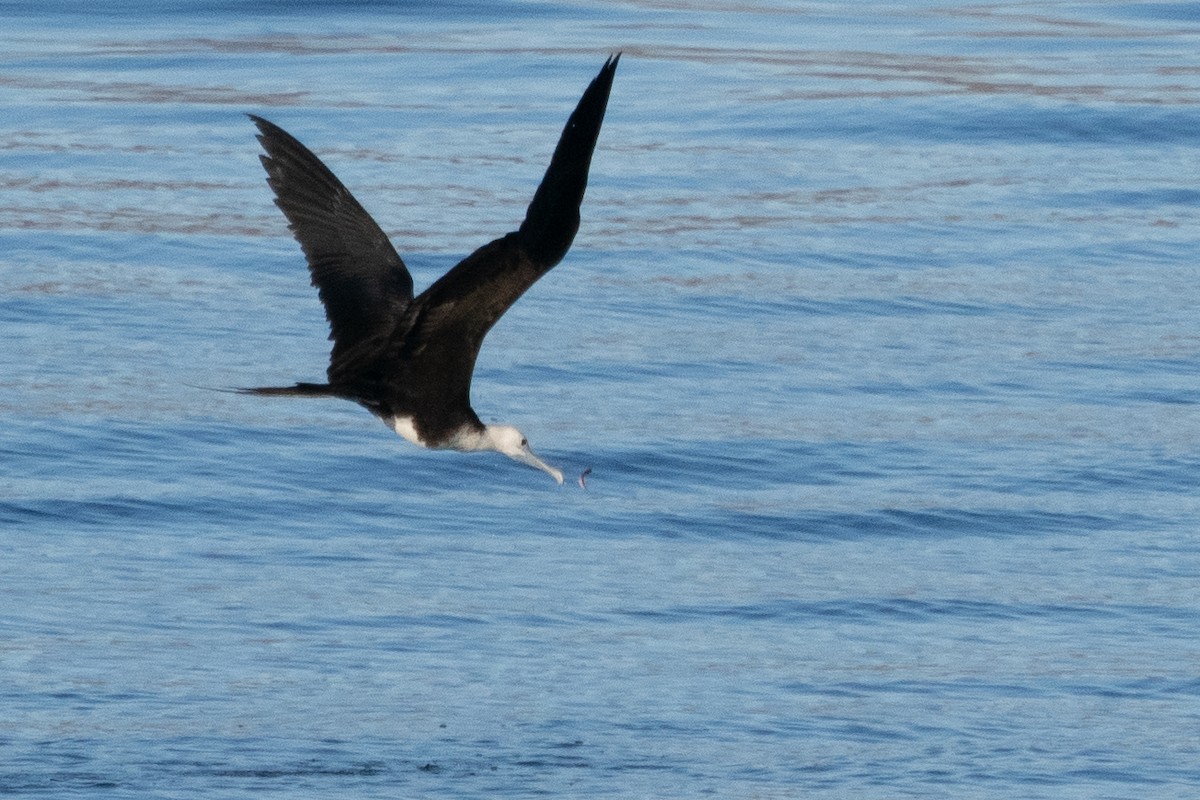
(362, 281)
(462, 306)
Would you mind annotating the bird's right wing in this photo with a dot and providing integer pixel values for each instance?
(552, 219)
(474, 294)
(453, 315)
(362, 281)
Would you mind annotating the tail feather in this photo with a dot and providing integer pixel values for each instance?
(299, 390)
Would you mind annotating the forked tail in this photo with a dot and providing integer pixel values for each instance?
(299, 390)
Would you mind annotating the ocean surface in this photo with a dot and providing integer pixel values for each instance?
(879, 338)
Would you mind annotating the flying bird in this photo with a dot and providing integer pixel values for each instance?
(409, 360)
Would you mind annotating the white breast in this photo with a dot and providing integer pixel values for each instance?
(404, 426)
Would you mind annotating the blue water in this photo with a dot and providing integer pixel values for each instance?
(879, 338)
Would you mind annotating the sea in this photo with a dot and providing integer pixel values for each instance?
(878, 345)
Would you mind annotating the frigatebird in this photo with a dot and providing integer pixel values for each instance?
(409, 360)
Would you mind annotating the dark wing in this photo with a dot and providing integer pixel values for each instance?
(363, 284)
(458, 310)
(553, 215)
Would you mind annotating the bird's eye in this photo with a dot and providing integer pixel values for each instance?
(524, 442)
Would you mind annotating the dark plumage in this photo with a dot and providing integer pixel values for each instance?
(410, 360)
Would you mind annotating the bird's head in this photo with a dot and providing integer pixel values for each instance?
(511, 442)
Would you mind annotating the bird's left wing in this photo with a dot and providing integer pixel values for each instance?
(362, 281)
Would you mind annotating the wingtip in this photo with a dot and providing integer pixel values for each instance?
(265, 127)
(610, 66)
(552, 219)
(603, 81)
